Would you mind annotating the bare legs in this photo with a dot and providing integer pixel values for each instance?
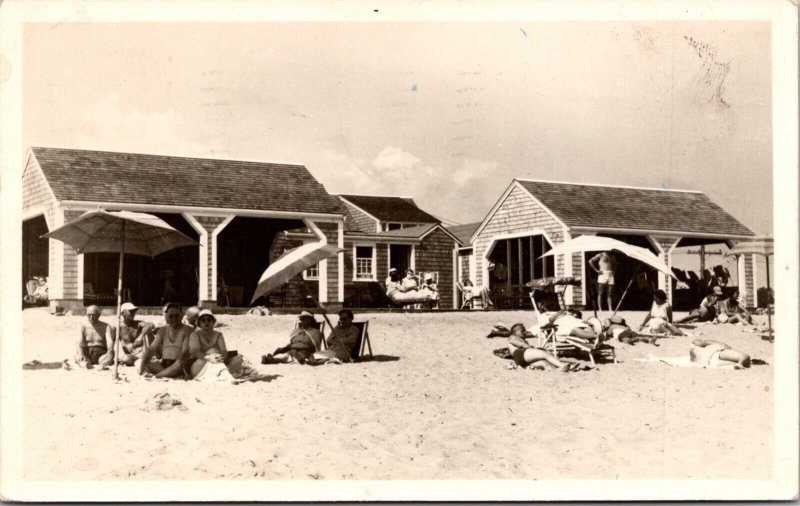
(534, 355)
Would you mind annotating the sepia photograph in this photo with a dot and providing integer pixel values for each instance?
(372, 251)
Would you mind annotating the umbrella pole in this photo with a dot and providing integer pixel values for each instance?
(626, 290)
(118, 345)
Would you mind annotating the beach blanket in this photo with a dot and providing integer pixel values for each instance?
(684, 361)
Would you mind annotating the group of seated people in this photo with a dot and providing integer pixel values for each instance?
(305, 342)
(186, 346)
(409, 290)
(717, 308)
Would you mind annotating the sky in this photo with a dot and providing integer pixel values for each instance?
(446, 113)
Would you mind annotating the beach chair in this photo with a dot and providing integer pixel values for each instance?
(604, 351)
(361, 342)
(467, 298)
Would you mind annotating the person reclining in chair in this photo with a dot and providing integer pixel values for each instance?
(395, 290)
(304, 341)
(341, 341)
(570, 324)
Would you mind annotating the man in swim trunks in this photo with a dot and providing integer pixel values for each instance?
(171, 344)
(605, 265)
(95, 339)
(304, 341)
(133, 334)
(525, 355)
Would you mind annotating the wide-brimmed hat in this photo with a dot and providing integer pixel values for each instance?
(128, 306)
(305, 314)
(392, 270)
(717, 290)
(206, 312)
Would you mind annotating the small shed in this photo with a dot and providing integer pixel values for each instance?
(532, 216)
(233, 208)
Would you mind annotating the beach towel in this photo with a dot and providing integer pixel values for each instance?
(214, 372)
(685, 361)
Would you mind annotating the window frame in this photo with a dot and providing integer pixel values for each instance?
(373, 259)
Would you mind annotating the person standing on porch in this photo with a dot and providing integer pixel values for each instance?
(605, 265)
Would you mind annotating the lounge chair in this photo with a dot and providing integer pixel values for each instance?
(388, 301)
(468, 299)
(361, 342)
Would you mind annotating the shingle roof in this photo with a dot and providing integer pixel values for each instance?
(464, 232)
(393, 209)
(101, 176)
(580, 205)
(408, 232)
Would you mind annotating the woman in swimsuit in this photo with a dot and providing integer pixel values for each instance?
(525, 355)
(659, 319)
(715, 354)
(170, 346)
(206, 345)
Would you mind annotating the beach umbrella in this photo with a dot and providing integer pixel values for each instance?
(759, 246)
(292, 263)
(124, 232)
(586, 243)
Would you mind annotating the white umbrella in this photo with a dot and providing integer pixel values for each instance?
(759, 246)
(124, 232)
(292, 263)
(586, 243)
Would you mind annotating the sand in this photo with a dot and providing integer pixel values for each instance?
(435, 404)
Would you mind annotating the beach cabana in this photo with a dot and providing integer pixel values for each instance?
(234, 210)
(383, 232)
(531, 217)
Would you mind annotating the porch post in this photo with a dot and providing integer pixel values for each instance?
(340, 259)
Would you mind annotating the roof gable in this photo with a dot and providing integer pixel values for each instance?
(596, 206)
(131, 178)
(464, 232)
(391, 209)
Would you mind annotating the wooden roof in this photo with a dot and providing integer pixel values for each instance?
(391, 209)
(131, 178)
(617, 207)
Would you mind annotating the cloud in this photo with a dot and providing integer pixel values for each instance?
(460, 194)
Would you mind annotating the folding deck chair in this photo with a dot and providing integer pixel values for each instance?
(319, 325)
(361, 342)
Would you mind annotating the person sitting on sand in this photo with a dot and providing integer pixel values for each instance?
(729, 311)
(659, 319)
(133, 335)
(525, 355)
(715, 354)
(473, 292)
(341, 341)
(616, 327)
(707, 310)
(304, 341)
(190, 318)
(94, 342)
(396, 291)
(170, 345)
(207, 349)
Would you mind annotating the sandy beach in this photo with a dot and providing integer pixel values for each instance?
(435, 403)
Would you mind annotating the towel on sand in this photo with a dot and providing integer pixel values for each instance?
(684, 361)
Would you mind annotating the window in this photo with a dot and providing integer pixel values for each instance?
(393, 226)
(312, 272)
(519, 260)
(364, 259)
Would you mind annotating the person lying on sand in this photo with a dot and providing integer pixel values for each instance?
(707, 310)
(171, 344)
(659, 319)
(716, 353)
(207, 349)
(95, 339)
(525, 355)
(616, 327)
(133, 334)
(304, 341)
(341, 341)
